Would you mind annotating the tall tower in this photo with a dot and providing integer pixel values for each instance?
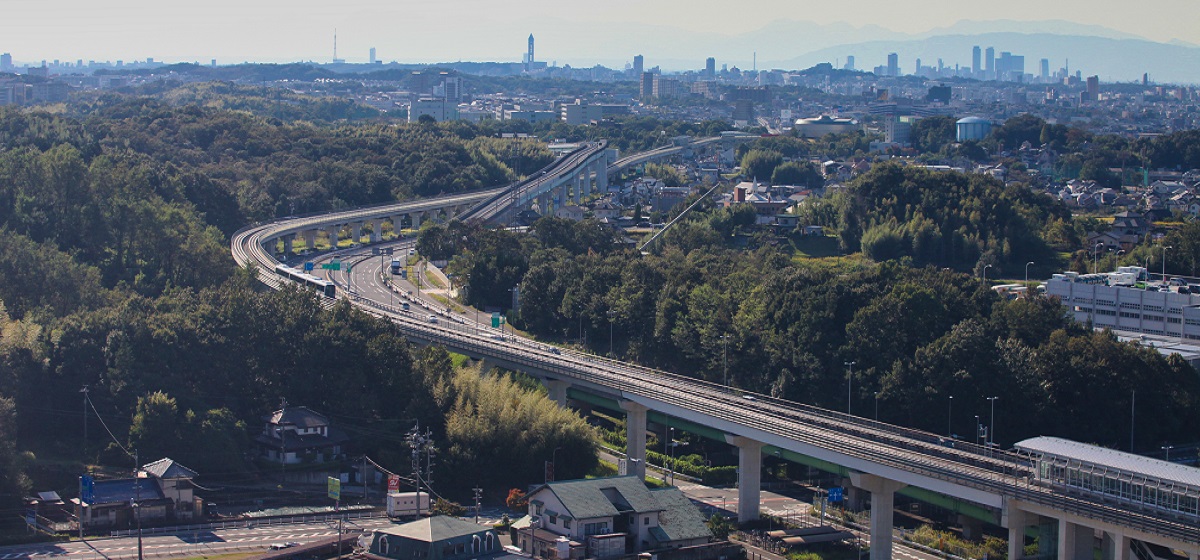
(893, 65)
(710, 67)
(976, 55)
(529, 55)
(989, 63)
(638, 65)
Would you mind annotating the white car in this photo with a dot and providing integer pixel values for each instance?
(433, 319)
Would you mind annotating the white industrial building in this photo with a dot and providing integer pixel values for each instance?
(1127, 301)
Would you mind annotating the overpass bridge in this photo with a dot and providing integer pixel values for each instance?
(878, 458)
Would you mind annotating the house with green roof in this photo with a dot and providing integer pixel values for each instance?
(432, 538)
(608, 517)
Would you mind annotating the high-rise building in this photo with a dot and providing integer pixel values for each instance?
(663, 88)
(850, 62)
(1045, 70)
(710, 67)
(918, 70)
(5, 62)
(1093, 88)
(372, 55)
(638, 65)
(647, 90)
(976, 55)
(893, 67)
(452, 88)
(989, 63)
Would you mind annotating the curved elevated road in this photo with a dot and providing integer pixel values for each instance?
(973, 473)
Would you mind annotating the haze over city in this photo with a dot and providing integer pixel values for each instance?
(274, 31)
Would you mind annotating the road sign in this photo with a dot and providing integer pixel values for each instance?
(376, 251)
(387, 251)
(393, 483)
(335, 265)
(496, 319)
(835, 494)
(308, 266)
(335, 488)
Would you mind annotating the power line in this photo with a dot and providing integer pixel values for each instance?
(110, 434)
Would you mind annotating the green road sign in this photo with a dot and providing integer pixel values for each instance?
(332, 266)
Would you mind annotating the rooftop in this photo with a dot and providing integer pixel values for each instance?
(434, 529)
(1105, 457)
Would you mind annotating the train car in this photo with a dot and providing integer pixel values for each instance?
(1150, 484)
(323, 287)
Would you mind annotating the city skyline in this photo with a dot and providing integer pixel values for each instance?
(272, 31)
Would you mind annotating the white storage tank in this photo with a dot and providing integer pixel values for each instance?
(972, 128)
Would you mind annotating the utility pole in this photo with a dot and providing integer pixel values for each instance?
(422, 444)
(478, 498)
(137, 500)
(84, 390)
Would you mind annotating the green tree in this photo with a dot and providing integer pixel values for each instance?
(760, 164)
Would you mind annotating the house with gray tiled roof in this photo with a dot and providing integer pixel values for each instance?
(609, 517)
(433, 538)
(294, 435)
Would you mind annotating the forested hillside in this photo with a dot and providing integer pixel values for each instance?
(117, 276)
(917, 335)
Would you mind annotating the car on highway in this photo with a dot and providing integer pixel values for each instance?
(433, 319)
(281, 546)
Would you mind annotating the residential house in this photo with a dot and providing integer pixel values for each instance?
(433, 538)
(297, 435)
(163, 491)
(570, 212)
(583, 518)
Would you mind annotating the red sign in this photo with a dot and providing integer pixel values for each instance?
(393, 483)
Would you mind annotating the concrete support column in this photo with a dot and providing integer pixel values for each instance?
(376, 230)
(972, 529)
(749, 476)
(883, 496)
(1114, 546)
(333, 231)
(635, 437)
(397, 224)
(557, 389)
(1075, 542)
(415, 218)
(356, 231)
(1016, 521)
(577, 192)
(602, 175)
(310, 239)
(287, 244)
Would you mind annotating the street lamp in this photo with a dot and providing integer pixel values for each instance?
(1167, 452)
(977, 430)
(1164, 274)
(985, 267)
(950, 418)
(876, 406)
(610, 315)
(553, 464)
(1027, 273)
(1095, 255)
(849, 379)
(992, 430)
(725, 359)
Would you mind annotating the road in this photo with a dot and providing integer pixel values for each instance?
(194, 542)
(971, 472)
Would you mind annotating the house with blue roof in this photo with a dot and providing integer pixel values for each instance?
(162, 489)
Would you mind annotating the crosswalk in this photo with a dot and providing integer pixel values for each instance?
(179, 545)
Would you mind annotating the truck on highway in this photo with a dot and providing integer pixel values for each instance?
(396, 265)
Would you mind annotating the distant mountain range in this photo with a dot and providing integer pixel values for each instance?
(1095, 50)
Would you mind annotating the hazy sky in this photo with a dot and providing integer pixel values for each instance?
(447, 30)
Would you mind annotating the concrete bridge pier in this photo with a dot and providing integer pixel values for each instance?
(557, 390)
(287, 244)
(397, 224)
(310, 239)
(749, 476)
(333, 232)
(376, 230)
(1075, 542)
(635, 437)
(883, 496)
(601, 175)
(415, 219)
(1015, 520)
(356, 230)
(1115, 546)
